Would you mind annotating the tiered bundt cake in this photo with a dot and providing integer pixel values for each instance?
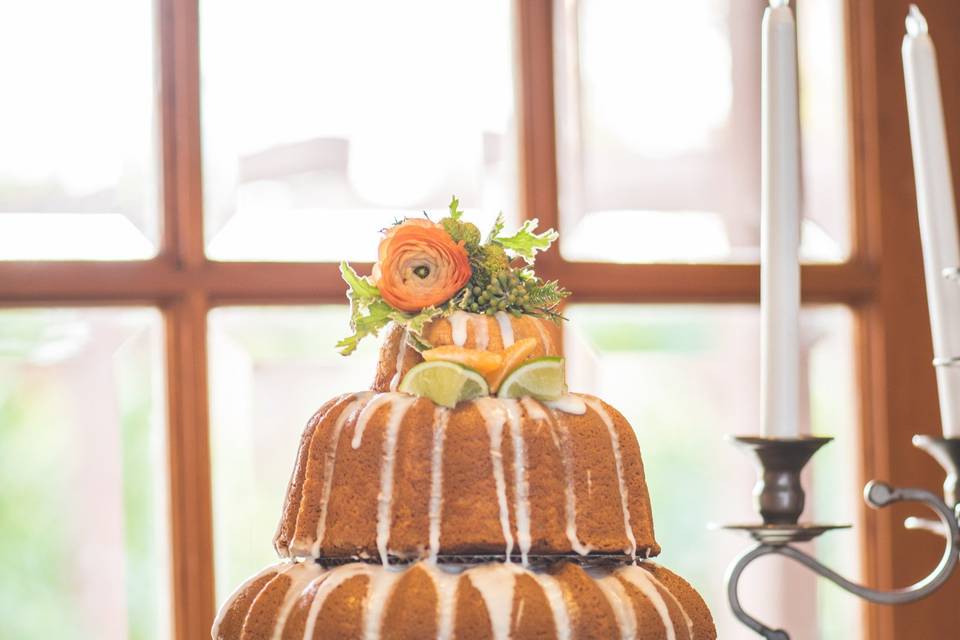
(518, 515)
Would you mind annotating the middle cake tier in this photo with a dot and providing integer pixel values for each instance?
(383, 475)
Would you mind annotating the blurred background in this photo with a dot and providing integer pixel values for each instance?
(319, 122)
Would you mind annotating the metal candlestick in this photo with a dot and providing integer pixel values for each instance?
(779, 498)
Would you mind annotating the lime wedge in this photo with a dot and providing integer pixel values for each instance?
(540, 378)
(446, 383)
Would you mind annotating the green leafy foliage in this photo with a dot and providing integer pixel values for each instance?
(497, 228)
(455, 211)
(525, 242)
(369, 313)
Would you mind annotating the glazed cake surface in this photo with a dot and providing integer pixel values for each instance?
(383, 475)
(304, 601)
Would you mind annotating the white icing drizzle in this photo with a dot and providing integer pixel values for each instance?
(618, 459)
(544, 337)
(506, 328)
(494, 418)
(440, 420)
(641, 579)
(570, 509)
(481, 332)
(458, 327)
(568, 403)
(536, 411)
(401, 352)
(446, 586)
(558, 605)
(621, 604)
(367, 412)
(533, 408)
(274, 568)
(331, 581)
(301, 574)
(521, 489)
(381, 585)
(495, 582)
(331, 461)
(683, 612)
(398, 409)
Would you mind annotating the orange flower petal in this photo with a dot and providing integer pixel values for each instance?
(420, 265)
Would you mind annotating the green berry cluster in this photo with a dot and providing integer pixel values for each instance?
(515, 292)
(504, 292)
(495, 285)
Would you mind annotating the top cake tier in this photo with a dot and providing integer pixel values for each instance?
(467, 330)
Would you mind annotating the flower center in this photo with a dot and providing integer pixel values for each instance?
(422, 271)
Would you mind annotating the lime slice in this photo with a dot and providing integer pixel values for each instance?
(446, 383)
(540, 378)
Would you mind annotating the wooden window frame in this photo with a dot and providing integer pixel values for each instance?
(896, 381)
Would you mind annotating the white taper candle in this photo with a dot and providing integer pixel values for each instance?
(936, 208)
(780, 224)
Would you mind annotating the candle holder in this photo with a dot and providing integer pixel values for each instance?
(779, 499)
(945, 451)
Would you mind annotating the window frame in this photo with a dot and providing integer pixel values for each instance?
(897, 392)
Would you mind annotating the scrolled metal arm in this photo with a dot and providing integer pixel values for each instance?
(877, 495)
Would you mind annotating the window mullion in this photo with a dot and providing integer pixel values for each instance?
(189, 463)
(535, 109)
(182, 237)
(182, 249)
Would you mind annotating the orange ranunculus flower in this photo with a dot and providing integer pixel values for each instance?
(420, 265)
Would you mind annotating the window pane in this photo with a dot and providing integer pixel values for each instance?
(658, 109)
(83, 483)
(686, 376)
(78, 161)
(323, 120)
(270, 370)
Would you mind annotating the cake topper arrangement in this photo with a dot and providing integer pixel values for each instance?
(467, 493)
(427, 270)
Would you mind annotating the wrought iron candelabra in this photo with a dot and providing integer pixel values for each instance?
(779, 499)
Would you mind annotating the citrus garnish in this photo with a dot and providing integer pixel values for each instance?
(484, 362)
(540, 378)
(446, 383)
(512, 356)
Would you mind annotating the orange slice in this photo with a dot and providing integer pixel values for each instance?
(512, 357)
(485, 362)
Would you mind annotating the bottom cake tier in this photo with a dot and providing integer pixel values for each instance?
(306, 601)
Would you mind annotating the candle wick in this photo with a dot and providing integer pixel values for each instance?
(916, 23)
